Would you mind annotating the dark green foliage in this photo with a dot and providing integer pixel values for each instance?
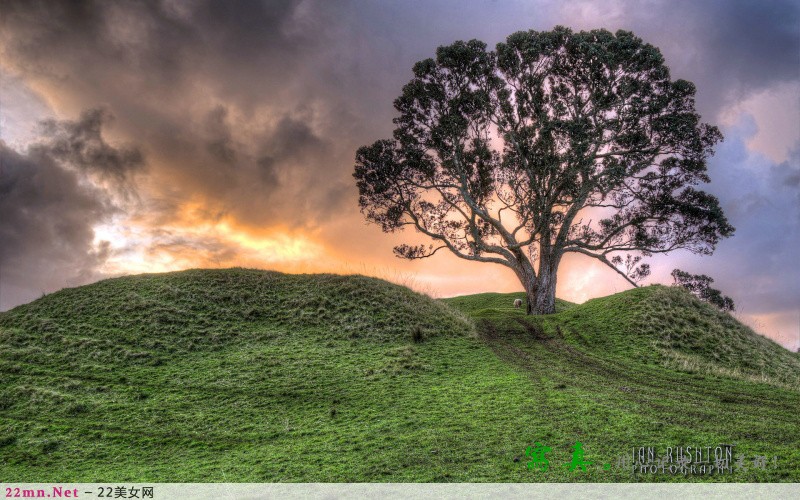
(77, 409)
(700, 286)
(417, 335)
(497, 155)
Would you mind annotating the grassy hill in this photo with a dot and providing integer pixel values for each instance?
(244, 375)
(652, 325)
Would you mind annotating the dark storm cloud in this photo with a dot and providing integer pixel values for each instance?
(46, 226)
(272, 173)
(159, 38)
(295, 168)
(751, 44)
(220, 145)
(267, 170)
(223, 93)
(291, 141)
(50, 205)
(792, 178)
(80, 144)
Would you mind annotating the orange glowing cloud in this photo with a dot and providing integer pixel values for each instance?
(193, 237)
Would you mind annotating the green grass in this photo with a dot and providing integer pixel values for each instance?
(242, 375)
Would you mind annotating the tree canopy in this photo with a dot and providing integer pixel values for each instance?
(700, 286)
(555, 142)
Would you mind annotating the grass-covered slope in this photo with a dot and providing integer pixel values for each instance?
(495, 305)
(669, 326)
(653, 325)
(242, 375)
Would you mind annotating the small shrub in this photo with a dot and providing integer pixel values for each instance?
(77, 409)
(416, 335)
(6, 402)
(49, 446)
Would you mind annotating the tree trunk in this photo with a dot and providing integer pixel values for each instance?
(530, 294)
(526, 275)
(540, 290)
(544, 297)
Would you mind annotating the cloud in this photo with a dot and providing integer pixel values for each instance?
(80, 144)
(51, 197)
(220, 143)
(747, 46)
(225, 95)
(46, 227)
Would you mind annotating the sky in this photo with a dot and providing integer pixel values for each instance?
(162, 135)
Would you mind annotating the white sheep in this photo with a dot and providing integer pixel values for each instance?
(517, 303)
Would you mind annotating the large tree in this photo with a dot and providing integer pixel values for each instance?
(555, 142)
